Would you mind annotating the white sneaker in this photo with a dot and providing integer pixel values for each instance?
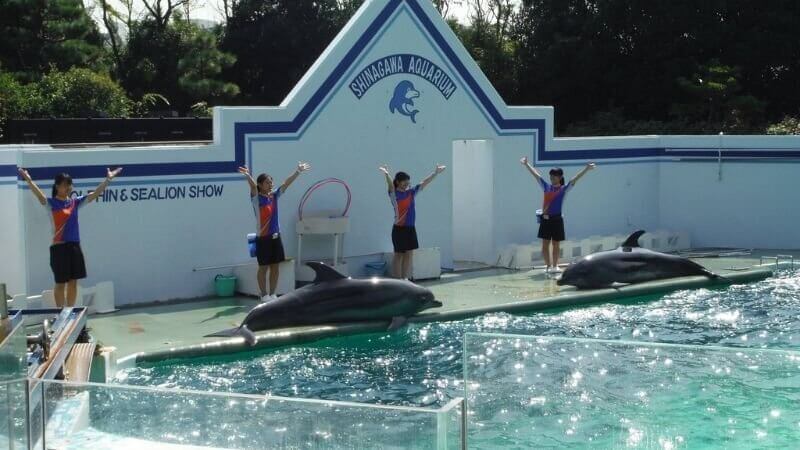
(557, 269)
(267, 298)
(547, 270)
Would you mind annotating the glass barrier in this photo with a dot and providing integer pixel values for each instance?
(101, 416)
(546, 392)
(14, 425)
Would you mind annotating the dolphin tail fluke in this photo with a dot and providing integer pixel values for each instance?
(243, 331)
(414, 115)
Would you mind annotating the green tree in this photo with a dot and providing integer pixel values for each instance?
(181, 62)
(489, 41)
(39, 34)
(78, 93)
(719, 102)
(201, 65)
(276, 41)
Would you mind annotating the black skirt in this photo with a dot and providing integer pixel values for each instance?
(269, 251)
(404, 239)
(66, 260)
(552, 229)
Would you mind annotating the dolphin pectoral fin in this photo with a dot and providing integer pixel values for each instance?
(324, 273)
(249, 336)
(414, 115)
(230, 332)
(633, 239)
(397, 322)
(243, 331)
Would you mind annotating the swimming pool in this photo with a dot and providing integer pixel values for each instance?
(421, 365)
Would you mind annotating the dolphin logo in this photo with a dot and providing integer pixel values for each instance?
(403, 100)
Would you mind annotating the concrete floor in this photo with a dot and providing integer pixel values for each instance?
(159, 328)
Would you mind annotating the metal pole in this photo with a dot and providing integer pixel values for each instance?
(28, 430)
(719, 160)
(3, 304)
(10, 423)
(464, 423)
(44, 414)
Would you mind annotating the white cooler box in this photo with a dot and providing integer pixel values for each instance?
(246, 278)
(426, 263)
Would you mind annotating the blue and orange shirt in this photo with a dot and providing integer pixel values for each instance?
(403, 202)
(266, 209)
(553, 197)
(64, 217)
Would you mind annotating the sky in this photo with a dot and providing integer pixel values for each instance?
(210, 10)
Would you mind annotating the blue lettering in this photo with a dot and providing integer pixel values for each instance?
(402, 63)
(356, 90)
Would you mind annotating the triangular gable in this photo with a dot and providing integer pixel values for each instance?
(345, 56)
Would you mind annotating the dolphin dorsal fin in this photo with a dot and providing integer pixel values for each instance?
(633, 240)
(324, 273)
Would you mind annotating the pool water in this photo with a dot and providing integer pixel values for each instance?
(421, 365)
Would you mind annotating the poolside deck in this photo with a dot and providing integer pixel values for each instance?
(176, 330)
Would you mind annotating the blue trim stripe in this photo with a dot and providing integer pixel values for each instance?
(118, 183)
(8, 170)
(138, 170)
(656, 152)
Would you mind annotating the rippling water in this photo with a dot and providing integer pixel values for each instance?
(421, 365)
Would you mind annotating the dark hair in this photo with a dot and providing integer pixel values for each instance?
(60, 179)
(261, 179)
(400, 177)
(559, 173)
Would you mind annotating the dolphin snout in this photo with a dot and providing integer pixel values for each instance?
(560, 282)
(412, 93)
(429, 301)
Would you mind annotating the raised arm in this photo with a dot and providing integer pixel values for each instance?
(439, 169)
(34, 187)
(583, 171)
(389, 183)
(102, 186)
(531, 169)
(253, 186)
(301, 167)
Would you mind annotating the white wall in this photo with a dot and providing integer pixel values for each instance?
(12, 258)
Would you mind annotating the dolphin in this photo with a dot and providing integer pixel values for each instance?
(628, 264)
(403, 100)
(332, 297)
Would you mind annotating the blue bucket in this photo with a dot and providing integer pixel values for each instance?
(375, 269)
(251, 244)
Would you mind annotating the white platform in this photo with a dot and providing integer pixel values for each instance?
(98, 299)
(525, 256)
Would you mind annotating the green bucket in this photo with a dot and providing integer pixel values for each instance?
(224, 285)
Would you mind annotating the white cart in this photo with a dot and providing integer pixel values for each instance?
(335, 227)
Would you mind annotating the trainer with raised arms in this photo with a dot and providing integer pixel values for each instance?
(551, 226)
(66, 256)
(269, 246)
(404, 232)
